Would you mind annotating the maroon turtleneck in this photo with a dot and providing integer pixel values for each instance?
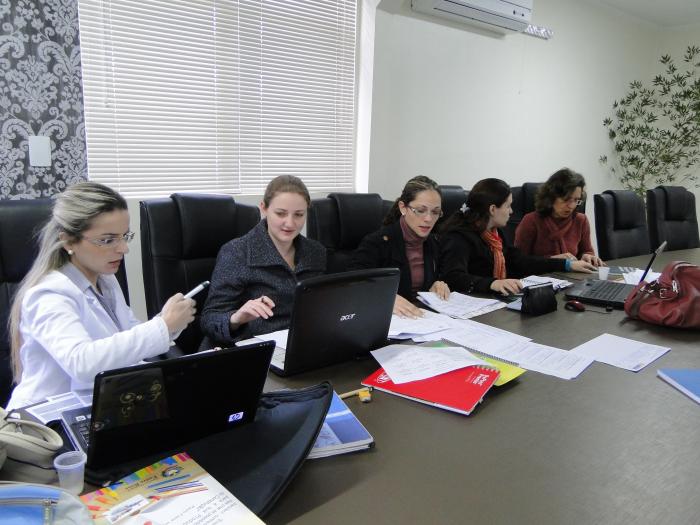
(414, 254)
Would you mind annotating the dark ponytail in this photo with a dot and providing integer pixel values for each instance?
(475, 215)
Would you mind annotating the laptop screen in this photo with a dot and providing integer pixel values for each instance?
(160, 405)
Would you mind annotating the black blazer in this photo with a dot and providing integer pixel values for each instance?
(386, 248)
(466, 262)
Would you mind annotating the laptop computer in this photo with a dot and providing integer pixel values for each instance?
(157, 406)
(337, 317)
(608, 293)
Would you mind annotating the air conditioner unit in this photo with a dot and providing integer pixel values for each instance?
(501, 16)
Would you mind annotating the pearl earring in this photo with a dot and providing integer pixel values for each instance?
(70, 252)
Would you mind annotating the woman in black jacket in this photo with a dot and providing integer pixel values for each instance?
(406, 242)
(474, 257)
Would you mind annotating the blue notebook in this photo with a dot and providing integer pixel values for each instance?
(687, 380)
(342, 432)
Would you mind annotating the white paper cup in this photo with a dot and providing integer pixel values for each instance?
(71, 470)
(603, 272)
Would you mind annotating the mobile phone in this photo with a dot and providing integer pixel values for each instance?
(194, 291)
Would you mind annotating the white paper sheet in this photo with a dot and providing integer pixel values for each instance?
(635, 276)
(620, 351)
(404, 363)
(279, 337)
(459, 305)
(546, 360)
(404, 328)
(533, 280)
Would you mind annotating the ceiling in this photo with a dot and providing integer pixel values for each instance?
(666, 13)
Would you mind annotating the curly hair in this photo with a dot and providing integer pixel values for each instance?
(560, 185)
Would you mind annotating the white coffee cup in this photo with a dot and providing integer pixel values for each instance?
(603, 272)
(71, 470)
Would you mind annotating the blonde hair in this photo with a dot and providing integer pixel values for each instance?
(72, 214)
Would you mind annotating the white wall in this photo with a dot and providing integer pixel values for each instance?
(456, 104)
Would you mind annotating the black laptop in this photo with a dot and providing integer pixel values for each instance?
(337, 317)
(158, 406)
(608, 293)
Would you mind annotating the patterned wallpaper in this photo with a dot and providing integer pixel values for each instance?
(40, 94)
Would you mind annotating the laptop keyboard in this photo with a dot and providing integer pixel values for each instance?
(606, 290)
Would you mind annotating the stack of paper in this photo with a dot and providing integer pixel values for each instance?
(341, 432)
(534, 280)
(459, 305)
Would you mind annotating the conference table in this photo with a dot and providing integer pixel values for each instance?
(609, 447)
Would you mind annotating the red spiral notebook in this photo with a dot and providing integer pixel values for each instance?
(459, 391)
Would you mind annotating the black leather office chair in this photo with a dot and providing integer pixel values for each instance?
(672, 218)
(20, 224)
(180, 239)
(341, 220)
(453, 197)
(620, 224)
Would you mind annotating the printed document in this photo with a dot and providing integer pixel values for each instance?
(405, 363)
(620, 351)
(279, 337)
(635, 276)
(533, 280)
(546, 360)
(459, 305)
(406, 328)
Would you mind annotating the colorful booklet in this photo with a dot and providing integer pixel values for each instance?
(341, 432)
(459, 391)
(173, 491)
(687, 380)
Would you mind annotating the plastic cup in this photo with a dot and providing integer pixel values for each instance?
(603, 272)
(71, 470)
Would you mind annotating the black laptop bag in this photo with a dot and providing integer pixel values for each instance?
(257, 461)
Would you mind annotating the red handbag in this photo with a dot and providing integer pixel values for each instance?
(671, 300)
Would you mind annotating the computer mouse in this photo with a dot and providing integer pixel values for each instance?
(575, 306)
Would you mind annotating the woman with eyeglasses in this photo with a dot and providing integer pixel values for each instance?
(406, 242)
(474, 256)
(555, 228)
(69, 319)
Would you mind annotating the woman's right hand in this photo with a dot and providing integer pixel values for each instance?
(253, 309)
(506, 286)
(404, 308)
(178, 312)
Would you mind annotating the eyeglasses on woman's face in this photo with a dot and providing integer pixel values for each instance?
(108, 241)
(421, 212)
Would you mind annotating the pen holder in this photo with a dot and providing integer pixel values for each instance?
(538, 300)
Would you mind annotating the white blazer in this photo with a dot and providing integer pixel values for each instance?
(68, 337)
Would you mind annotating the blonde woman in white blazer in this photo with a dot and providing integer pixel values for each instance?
(69, 319)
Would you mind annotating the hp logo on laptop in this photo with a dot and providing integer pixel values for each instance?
(235, 417)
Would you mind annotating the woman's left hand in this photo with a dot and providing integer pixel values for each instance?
(440, 289)
(593, 259)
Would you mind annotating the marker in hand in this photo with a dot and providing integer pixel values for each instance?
(194, 291)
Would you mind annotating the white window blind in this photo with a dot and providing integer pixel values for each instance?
(218, 96)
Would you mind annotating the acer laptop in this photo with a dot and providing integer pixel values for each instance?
(160, 405)
(337, 317)
(608, 293)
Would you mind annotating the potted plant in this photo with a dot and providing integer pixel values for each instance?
(655, 131)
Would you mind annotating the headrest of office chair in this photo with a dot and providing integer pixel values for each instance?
(529, 190)
(20, 223)
(358, 215)
(628, 209)
(207, 222)
(452, 198)
(677, 202)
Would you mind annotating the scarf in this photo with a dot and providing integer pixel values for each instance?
(557, 229)
(495, 244)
